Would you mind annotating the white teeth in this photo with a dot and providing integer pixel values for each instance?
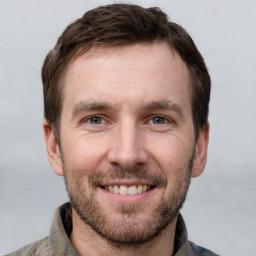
(125, 190)
(132, 190)
(111, 189)
(116, 189)
(139, 189)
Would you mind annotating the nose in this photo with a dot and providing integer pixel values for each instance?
(127, 149)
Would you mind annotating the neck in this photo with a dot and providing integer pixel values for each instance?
(87, 242)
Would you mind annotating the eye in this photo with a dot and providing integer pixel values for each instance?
(96, 120)
(95, 123)
(159, 120)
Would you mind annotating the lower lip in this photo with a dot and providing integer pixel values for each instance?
(127, 199)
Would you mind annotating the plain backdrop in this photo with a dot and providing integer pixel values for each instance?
(220, 211)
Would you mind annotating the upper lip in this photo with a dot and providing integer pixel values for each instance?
(126, 183)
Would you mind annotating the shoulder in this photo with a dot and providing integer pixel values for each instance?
(200, 251)
(39, 248)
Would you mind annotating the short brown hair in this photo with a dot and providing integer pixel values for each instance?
(122, 24)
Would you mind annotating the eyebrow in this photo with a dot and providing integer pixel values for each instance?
(150, 106)
(163, 105)
(89, 106)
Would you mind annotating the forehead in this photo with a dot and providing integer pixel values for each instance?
(138, 72)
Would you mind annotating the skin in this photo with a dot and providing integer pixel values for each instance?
(140, 97)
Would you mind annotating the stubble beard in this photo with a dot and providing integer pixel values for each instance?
(127, 231)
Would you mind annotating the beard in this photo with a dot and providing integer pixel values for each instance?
(132, 225)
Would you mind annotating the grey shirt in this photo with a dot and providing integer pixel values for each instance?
(58, 243)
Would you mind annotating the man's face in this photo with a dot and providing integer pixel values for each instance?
(127, 141)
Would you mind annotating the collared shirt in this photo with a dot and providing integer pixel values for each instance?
(58, 243)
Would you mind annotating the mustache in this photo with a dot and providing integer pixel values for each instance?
(119, 173)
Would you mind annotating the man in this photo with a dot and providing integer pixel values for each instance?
(126, 96)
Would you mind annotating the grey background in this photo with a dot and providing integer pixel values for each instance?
(220, 210)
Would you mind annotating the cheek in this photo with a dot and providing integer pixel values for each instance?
(84, 152)
(171, 153)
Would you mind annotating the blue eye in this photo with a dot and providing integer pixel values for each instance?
(159, 120)
(96, 120)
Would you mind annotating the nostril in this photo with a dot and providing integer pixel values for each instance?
(127, 152)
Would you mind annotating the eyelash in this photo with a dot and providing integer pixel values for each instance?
(164, 119)
(151, 118)
(88, 122)
(88, 119)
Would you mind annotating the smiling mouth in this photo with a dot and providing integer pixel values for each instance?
(127, 190)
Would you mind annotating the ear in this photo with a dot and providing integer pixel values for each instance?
(200, 156)
(52, 148)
